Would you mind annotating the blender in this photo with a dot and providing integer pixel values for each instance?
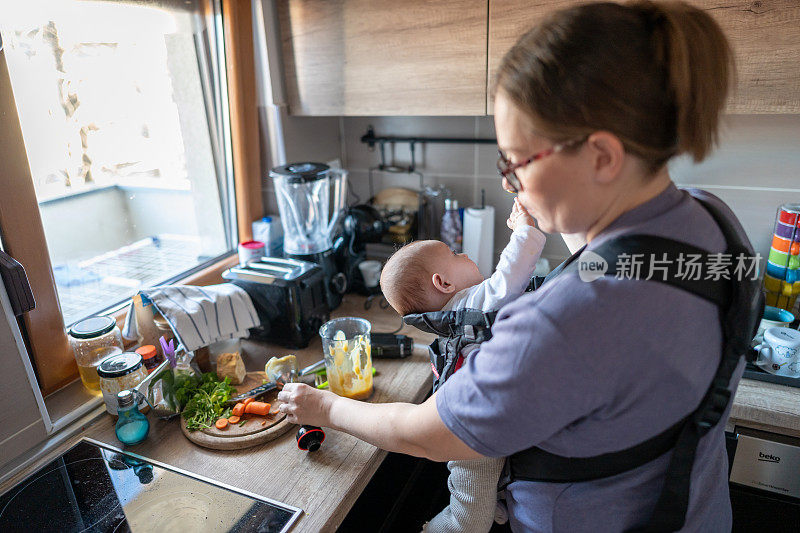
(310, 216)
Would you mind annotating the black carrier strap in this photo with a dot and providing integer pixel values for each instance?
(740, 303)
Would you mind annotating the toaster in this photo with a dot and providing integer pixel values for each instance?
(289, 297)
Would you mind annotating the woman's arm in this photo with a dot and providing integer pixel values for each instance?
(396, 427)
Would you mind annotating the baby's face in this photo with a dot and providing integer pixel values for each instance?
(458, 269)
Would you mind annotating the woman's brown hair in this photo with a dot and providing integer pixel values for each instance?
(656, 74)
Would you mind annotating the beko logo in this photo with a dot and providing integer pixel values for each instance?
(768, 457)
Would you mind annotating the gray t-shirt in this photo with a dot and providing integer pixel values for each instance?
(580, 369)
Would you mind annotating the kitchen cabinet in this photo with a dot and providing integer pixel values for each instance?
(765, 35)
(356, 57)
(368, 57)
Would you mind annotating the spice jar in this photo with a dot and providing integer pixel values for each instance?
(92, 340)
(149, 357)
(118, 373)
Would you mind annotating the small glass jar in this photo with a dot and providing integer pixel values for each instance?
(132, 426)
(163, 329)
(149, 357)
(118, 373)
(92, 340)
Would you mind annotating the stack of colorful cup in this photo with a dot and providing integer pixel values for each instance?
(782, 279)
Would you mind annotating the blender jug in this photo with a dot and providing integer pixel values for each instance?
(304, 201)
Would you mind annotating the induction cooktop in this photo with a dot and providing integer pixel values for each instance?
(96, 487)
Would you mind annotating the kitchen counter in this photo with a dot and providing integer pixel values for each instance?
(326, 483)
(766, 406)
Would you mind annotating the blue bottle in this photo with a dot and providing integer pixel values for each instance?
(132, 426)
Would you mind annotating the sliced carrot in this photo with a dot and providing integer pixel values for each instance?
(257, 408)
(274, 411)
(264, 423)
(234, 419)
(238, 409)
(248, 400)
(221, 423)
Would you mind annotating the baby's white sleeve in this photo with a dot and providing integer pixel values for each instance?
(513, 272)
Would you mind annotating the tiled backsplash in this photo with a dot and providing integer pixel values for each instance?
(755, 169)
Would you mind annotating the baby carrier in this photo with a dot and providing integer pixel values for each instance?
(457, 330)
(740, 303)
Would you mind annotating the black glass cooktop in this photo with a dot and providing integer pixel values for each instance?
(94, 487)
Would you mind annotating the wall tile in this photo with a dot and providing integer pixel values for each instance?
(311, 138)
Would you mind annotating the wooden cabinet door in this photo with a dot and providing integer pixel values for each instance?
(384, 57)
(765, 35)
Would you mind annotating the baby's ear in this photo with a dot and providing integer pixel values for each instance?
(442, 285)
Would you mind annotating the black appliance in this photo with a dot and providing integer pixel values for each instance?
(764, 472)
(95, 487)
(362, 224)
(329, 262)
(289, 296)
(311, 201)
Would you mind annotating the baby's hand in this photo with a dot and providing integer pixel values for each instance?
(519, 216)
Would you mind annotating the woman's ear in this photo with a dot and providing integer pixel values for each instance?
(607, 154)
(442, 285)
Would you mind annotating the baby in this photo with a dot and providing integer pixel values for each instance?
(425, 277)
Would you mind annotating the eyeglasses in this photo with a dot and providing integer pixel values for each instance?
(507, 169)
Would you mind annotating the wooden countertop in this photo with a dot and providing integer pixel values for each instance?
(766, 406)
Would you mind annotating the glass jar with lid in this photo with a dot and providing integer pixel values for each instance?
(118, 373)
(92, 340)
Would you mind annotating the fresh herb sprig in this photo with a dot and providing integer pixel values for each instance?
(203, 399)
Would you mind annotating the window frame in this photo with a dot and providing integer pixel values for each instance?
(21, 228)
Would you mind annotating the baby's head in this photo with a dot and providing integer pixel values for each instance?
(424, 275)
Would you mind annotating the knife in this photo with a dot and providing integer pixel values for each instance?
(254, 393)
(272, 385)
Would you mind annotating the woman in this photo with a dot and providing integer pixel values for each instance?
(590, 105)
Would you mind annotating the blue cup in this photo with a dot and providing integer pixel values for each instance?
(774, 317)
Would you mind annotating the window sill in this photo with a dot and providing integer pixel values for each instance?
(70, 403)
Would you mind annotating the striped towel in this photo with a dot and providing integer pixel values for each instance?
(199, 316)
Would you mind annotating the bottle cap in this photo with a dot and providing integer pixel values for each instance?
(148, 351)
(92, 327)
(118, 365)
(125, 399)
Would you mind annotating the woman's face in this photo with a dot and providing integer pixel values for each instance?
(558, 190)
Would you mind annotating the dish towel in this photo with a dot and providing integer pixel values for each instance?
(199, 316)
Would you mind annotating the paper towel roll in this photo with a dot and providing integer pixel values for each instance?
(478, 241)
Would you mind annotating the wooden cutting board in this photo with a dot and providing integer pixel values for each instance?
(252, 432)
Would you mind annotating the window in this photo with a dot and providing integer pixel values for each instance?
(130, 148)
(119, 105)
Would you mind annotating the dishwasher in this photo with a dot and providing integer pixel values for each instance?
(764, 475)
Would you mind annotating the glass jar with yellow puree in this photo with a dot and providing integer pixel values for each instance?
(348, 358)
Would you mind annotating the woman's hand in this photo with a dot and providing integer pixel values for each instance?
(306, 405)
